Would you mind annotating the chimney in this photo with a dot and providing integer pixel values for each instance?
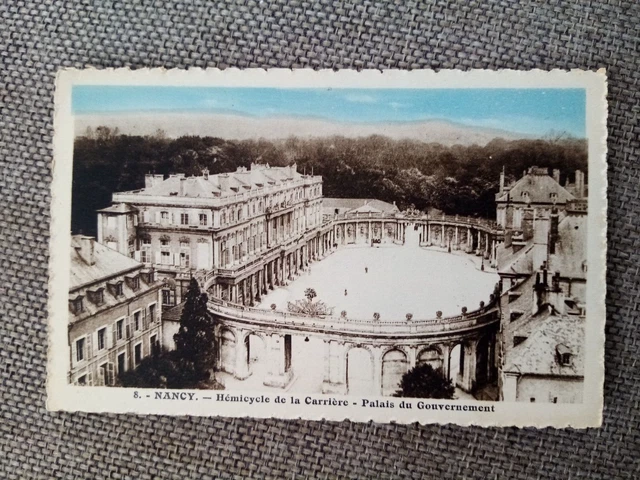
(86, 249)
(502, 181)
(556, 175)
(183, 182)
(149, 180)
(527, 224)
(224, 182)
(579, 184)
(540, 241)
(553, 231)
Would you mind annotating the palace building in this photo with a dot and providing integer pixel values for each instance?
(114, 313)
(239, 233)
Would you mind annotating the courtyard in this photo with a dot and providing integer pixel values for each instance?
(392, 281)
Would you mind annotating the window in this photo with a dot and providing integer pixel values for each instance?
(164, 241)
(203, 219)
(76, 306)
(135, 283)
(555, 400)
(152, 313)
(118, 289)
(164, 217)
(136, 320)
(82, 380)
(146, 240)
(80, 343)
(137, 353)
(120, 329)
(184, 219)
(102, 338)
(122, 363)
(145, 256)
(223, 218)
(154, 346)
(165, 258)
(184, 259)
(532, 399)
(565, 359)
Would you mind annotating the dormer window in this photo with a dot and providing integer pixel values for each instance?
(564, 355)
(76, 305)
(553, 196)
(96, 296)
(116, 288)
(133, 282)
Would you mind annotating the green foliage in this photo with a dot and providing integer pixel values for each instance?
(423, 381)
(455, 179)
(195, 340)
(163, 370)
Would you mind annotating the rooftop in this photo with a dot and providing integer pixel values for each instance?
(538, 187)
(549, 333)
(358, 204)
(106, 262)
(221, 184)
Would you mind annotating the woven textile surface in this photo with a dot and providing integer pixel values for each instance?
(39, 36)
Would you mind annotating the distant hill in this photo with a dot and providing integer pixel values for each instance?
(231, 126)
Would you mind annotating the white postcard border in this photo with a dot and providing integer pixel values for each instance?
(62, 396)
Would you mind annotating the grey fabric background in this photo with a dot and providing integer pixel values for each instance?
(39, 36)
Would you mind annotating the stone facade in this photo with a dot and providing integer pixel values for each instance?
(114, 313)
(222, 228)
(542, 266)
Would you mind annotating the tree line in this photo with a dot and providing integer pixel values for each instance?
(455, 179)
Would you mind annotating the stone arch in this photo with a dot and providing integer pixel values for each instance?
(255, 344)
(359, 369)
(227, 356)
(432, 355)
(456, 361)
(394, 365)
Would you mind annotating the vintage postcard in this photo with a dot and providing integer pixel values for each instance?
(390, 246)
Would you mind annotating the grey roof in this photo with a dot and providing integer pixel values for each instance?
(539, 186)
(119, 208)
(537, 355)
(349, 204)
(108, 263)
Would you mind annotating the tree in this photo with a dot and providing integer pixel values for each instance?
(423, 381)
(310, 293)
(195, 340)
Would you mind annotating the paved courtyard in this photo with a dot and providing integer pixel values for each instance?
(393, 281)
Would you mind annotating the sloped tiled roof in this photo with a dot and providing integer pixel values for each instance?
(537, 355)
(119, 208)
(571, 249)
(518, 262)
(221, 184)
(108, 263)
(350, 204)
(539, 186)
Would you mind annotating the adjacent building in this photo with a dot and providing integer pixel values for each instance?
(542, 266)
(114, 313)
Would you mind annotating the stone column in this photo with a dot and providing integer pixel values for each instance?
(335, 377)
(446, 361)
(429, 234)
(242, 365)
(377, 370)
(457, 245)
(277, 375)
(468, 379)
(413, 351)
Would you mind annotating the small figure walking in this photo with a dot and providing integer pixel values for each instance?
(366, 269)
(345, 292)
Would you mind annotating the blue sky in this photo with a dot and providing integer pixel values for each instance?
(530, 111)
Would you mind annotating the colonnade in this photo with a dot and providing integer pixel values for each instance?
(365, 366)
(274, 270)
